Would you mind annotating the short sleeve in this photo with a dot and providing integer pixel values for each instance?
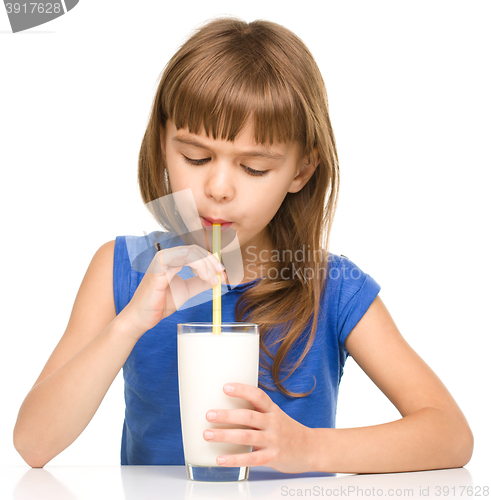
(132, 256)
(357, 291)
(121, 275)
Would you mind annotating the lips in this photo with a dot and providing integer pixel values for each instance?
(209, 222)
(217, 221)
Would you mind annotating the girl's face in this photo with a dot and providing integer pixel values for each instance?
(241, 182)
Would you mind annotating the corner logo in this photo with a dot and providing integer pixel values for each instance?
(25, 15)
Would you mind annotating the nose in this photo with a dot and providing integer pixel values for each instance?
(220, 183)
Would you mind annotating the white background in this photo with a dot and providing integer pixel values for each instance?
(408, 87)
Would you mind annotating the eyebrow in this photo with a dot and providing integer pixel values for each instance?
(264, 152)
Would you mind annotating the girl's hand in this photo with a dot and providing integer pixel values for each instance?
(279, 441)
(154, 299)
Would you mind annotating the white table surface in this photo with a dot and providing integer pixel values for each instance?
(170, 482)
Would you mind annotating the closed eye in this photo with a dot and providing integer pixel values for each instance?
(195, 162)
(248, 170)
(251, 171)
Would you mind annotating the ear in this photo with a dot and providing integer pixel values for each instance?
(305, 171)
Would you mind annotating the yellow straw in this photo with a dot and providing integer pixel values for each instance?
(217, 289)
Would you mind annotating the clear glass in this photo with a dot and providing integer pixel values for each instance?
(206, 362)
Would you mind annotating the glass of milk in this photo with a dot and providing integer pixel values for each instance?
(206, 362)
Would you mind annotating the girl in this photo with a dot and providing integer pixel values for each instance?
(241, 120)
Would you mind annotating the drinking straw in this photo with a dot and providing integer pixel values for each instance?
(217, 289)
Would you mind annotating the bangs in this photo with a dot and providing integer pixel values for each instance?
(221, 93)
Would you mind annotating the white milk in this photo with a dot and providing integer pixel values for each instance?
(206, 363)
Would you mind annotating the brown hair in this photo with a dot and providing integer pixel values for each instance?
(227, 72)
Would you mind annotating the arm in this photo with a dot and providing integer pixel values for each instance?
(97, 343)
(80, 370)
(432, 433)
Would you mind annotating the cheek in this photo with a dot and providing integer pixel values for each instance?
(180, 181)
(177, 180)
(260, 209)
(174, 181)
(267, 198)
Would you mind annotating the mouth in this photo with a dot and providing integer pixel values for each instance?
(208, 223)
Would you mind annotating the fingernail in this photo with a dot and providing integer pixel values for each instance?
(221, 460)
(211, 415)
(209, 434)
(222, 267)
(228, 388)
(184, 250)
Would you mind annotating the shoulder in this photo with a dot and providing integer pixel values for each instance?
(98, 278)
(92, 311)
(346, 277)
(105, 251)
(102, 261)
(100, 270)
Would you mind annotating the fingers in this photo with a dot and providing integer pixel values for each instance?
(252, 459)
(259, 399)
(245, 437)
(196, 285)
(255, 458)
(203, 263)
(169, 257)
(249, 418)
(256, 431)
(169, 273)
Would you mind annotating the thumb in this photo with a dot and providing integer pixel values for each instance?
(165, 278)
(184, 290)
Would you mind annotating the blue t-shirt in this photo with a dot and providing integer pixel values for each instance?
(152, 425)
